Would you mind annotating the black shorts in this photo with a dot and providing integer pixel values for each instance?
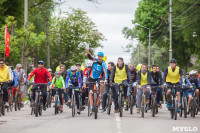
(177, 89)
(91, 85)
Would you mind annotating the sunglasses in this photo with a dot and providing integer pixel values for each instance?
(1, 63)
(40, 63)
(73, 71)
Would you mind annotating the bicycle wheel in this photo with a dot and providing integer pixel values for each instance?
(95, 106)
(19, 102)
(56, 104)
(80, 102)
(88, 108)
(11, 104)
(32, 108)
(73, 105)
(153, 106)
(120, 104)
(175, 110)
(194, 107)
(3, 110)
(109, 104)
(48, 99)
(131, 102)
(40, 105)
(181, 109)
(16, 102)
(185, 107)
(36, 105)
(143, 106)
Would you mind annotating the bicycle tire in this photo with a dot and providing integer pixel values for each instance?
(48, 99)
(19, 102)
(40, 105)
(175, 110)
(88, 108)
(131, 104)
(16, 102)
(32, 108)
(3, 110)
(185, 107)
(109, 104)
(56, 104)
(80, 102)
(153, 106)
(73, 105)
(36, 105)
(143, 106)
(95, 106)
(120, 104)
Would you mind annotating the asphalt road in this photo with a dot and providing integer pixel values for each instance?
(22, 122)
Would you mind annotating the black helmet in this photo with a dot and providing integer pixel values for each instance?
(78, 64)
(187, 73)
(172, 61)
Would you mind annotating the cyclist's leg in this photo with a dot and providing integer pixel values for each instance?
(178, 96)
(44, 94)
(34, 89)
(190, 94)
(139, 95)
(105, 92)
(69, 93)
(197, 93)
(22, 92)
(76, 98)
(5, 92)
(147, 94)
(60, 96)
(159, 95)
(116, 87)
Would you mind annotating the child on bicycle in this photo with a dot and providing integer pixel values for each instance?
(58, 82)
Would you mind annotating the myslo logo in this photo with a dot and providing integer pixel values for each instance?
(185, 129)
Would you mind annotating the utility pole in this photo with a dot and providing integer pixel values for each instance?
(149, 53)
(48, 51)
(138, 53)
(170, 30)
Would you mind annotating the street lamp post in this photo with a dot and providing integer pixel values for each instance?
(149, 47)
(170, 30)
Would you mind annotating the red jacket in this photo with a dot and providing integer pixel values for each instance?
(40, 75)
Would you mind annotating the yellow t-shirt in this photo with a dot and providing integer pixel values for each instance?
(144, 80)
(4, 74)
(120, 75)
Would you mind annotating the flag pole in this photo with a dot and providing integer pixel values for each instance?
(5, 44)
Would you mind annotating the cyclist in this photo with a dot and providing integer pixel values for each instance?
(14, 82)
(41, 76)
(157, 80)
(172, 75)
(50, 71)
(6, 75)
(85, 79)
(143, 81)
(73, 80)
(106, 89)
(99, 67)
(78, 65)
(64, 75)
(187, 75)
(134, 83)
(120, 74)
(59, 83)
(21, 79)
(196, 85)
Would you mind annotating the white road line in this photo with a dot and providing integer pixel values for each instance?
(118, 123)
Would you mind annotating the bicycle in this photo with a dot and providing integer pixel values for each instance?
(57, 102)
(154, 107)
(80, 101)
(18, 97)
(143, 103)
(173, 101)
(194, 103)
(2, 104)
(37, 105)
(10, 99)
(95, 98)
(132, 99)
(184, 102)
(49, 98)
(109, 100)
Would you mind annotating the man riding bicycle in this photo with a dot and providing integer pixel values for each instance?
(172, 75)
(195, 87)
(106, 89)
(41, 76)
(98, 68)
(120, 74)
(58, 82)
(143, 81)
(21, 79)
(73, 80)
(6, 75)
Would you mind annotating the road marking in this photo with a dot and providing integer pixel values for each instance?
(118, 122)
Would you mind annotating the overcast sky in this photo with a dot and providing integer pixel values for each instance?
(110, 16)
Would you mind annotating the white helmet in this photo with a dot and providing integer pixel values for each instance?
(73, 68)
(89, 64)
(18, 65)
(192, 72)
(58, 72)
(49, 70)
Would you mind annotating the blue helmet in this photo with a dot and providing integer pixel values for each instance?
(41, 62)
(101, 54)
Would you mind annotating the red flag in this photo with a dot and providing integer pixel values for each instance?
(7, 41)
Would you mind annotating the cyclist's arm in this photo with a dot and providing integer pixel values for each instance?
(15, 79)
(128, 71)
(138, 77)
(63, 83)
(91, 57)
(49, 75)
(31, 75)
(165, 74)
(188, 83)
(161, 78)
(52, 81)
(112, 75)
(10, 74)
(67, 80)
(79, 80)
(181, 75)
(105, 71)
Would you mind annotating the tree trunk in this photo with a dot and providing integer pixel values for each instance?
(48, 51)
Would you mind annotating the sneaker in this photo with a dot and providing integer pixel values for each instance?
(100, 108)
(138, 110)
(178, 109)
(116, 111)
(61, 108)
(7, 104)
(103, 110)
(168, 105)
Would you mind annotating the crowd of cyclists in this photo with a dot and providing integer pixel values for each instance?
(99, 78)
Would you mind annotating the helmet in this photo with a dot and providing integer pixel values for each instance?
(58, 72)
(73, 68)
(89, 64)
(11, 67)
(68, 70)
(18, 65)
(41, 62)
(187, 73)
(104, 58)
(100, 54)
(172, 61)
(192, 72)
(79, 64)
(49, 70)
